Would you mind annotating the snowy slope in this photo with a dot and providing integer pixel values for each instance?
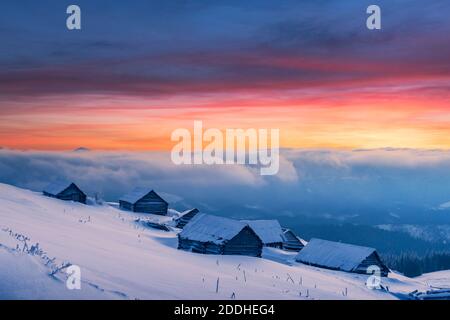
(122, 260)
(23, 277)
(436, 280)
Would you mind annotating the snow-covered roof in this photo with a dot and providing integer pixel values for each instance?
(56, 188)
(170, 197)
(335, 255)
(269, 231)
(285, 231)
(435, 294)
(208, 228)
(137, 194)
(182, 214)
(172, 213)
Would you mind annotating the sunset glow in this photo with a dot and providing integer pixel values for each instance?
(346, 87)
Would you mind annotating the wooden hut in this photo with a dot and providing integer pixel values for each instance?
(433, 294)
(340, 256)
(185, 217)
(269, 231)
(218, 235)
(290, 241)
(67, 191)
(144, 201)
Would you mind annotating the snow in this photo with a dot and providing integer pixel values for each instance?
(441, 294)
(170, 198)
(185, 212)
(436, 280)
(57, 187)
(22, 277)
(337, 255)
(269, 231)
(209, 228)
(135, 195)
(121, 260)
(173, 213)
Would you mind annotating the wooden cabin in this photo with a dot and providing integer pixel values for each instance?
(290, 241)
(433, 294)
(269, 231)
(209, 234)
(340, 256)
(144, 201)
(67, 191)
(185, 217)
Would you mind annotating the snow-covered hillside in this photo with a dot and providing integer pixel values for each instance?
(438, 279)
(120, 259)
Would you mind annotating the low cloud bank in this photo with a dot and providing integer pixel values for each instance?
(394, 184)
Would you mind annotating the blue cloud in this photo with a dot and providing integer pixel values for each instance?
(360, 186)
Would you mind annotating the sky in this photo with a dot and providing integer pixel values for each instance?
(140, 69)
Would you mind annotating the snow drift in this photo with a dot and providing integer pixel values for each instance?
(121, 259)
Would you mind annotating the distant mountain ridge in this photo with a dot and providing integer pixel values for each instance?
(81, 149)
